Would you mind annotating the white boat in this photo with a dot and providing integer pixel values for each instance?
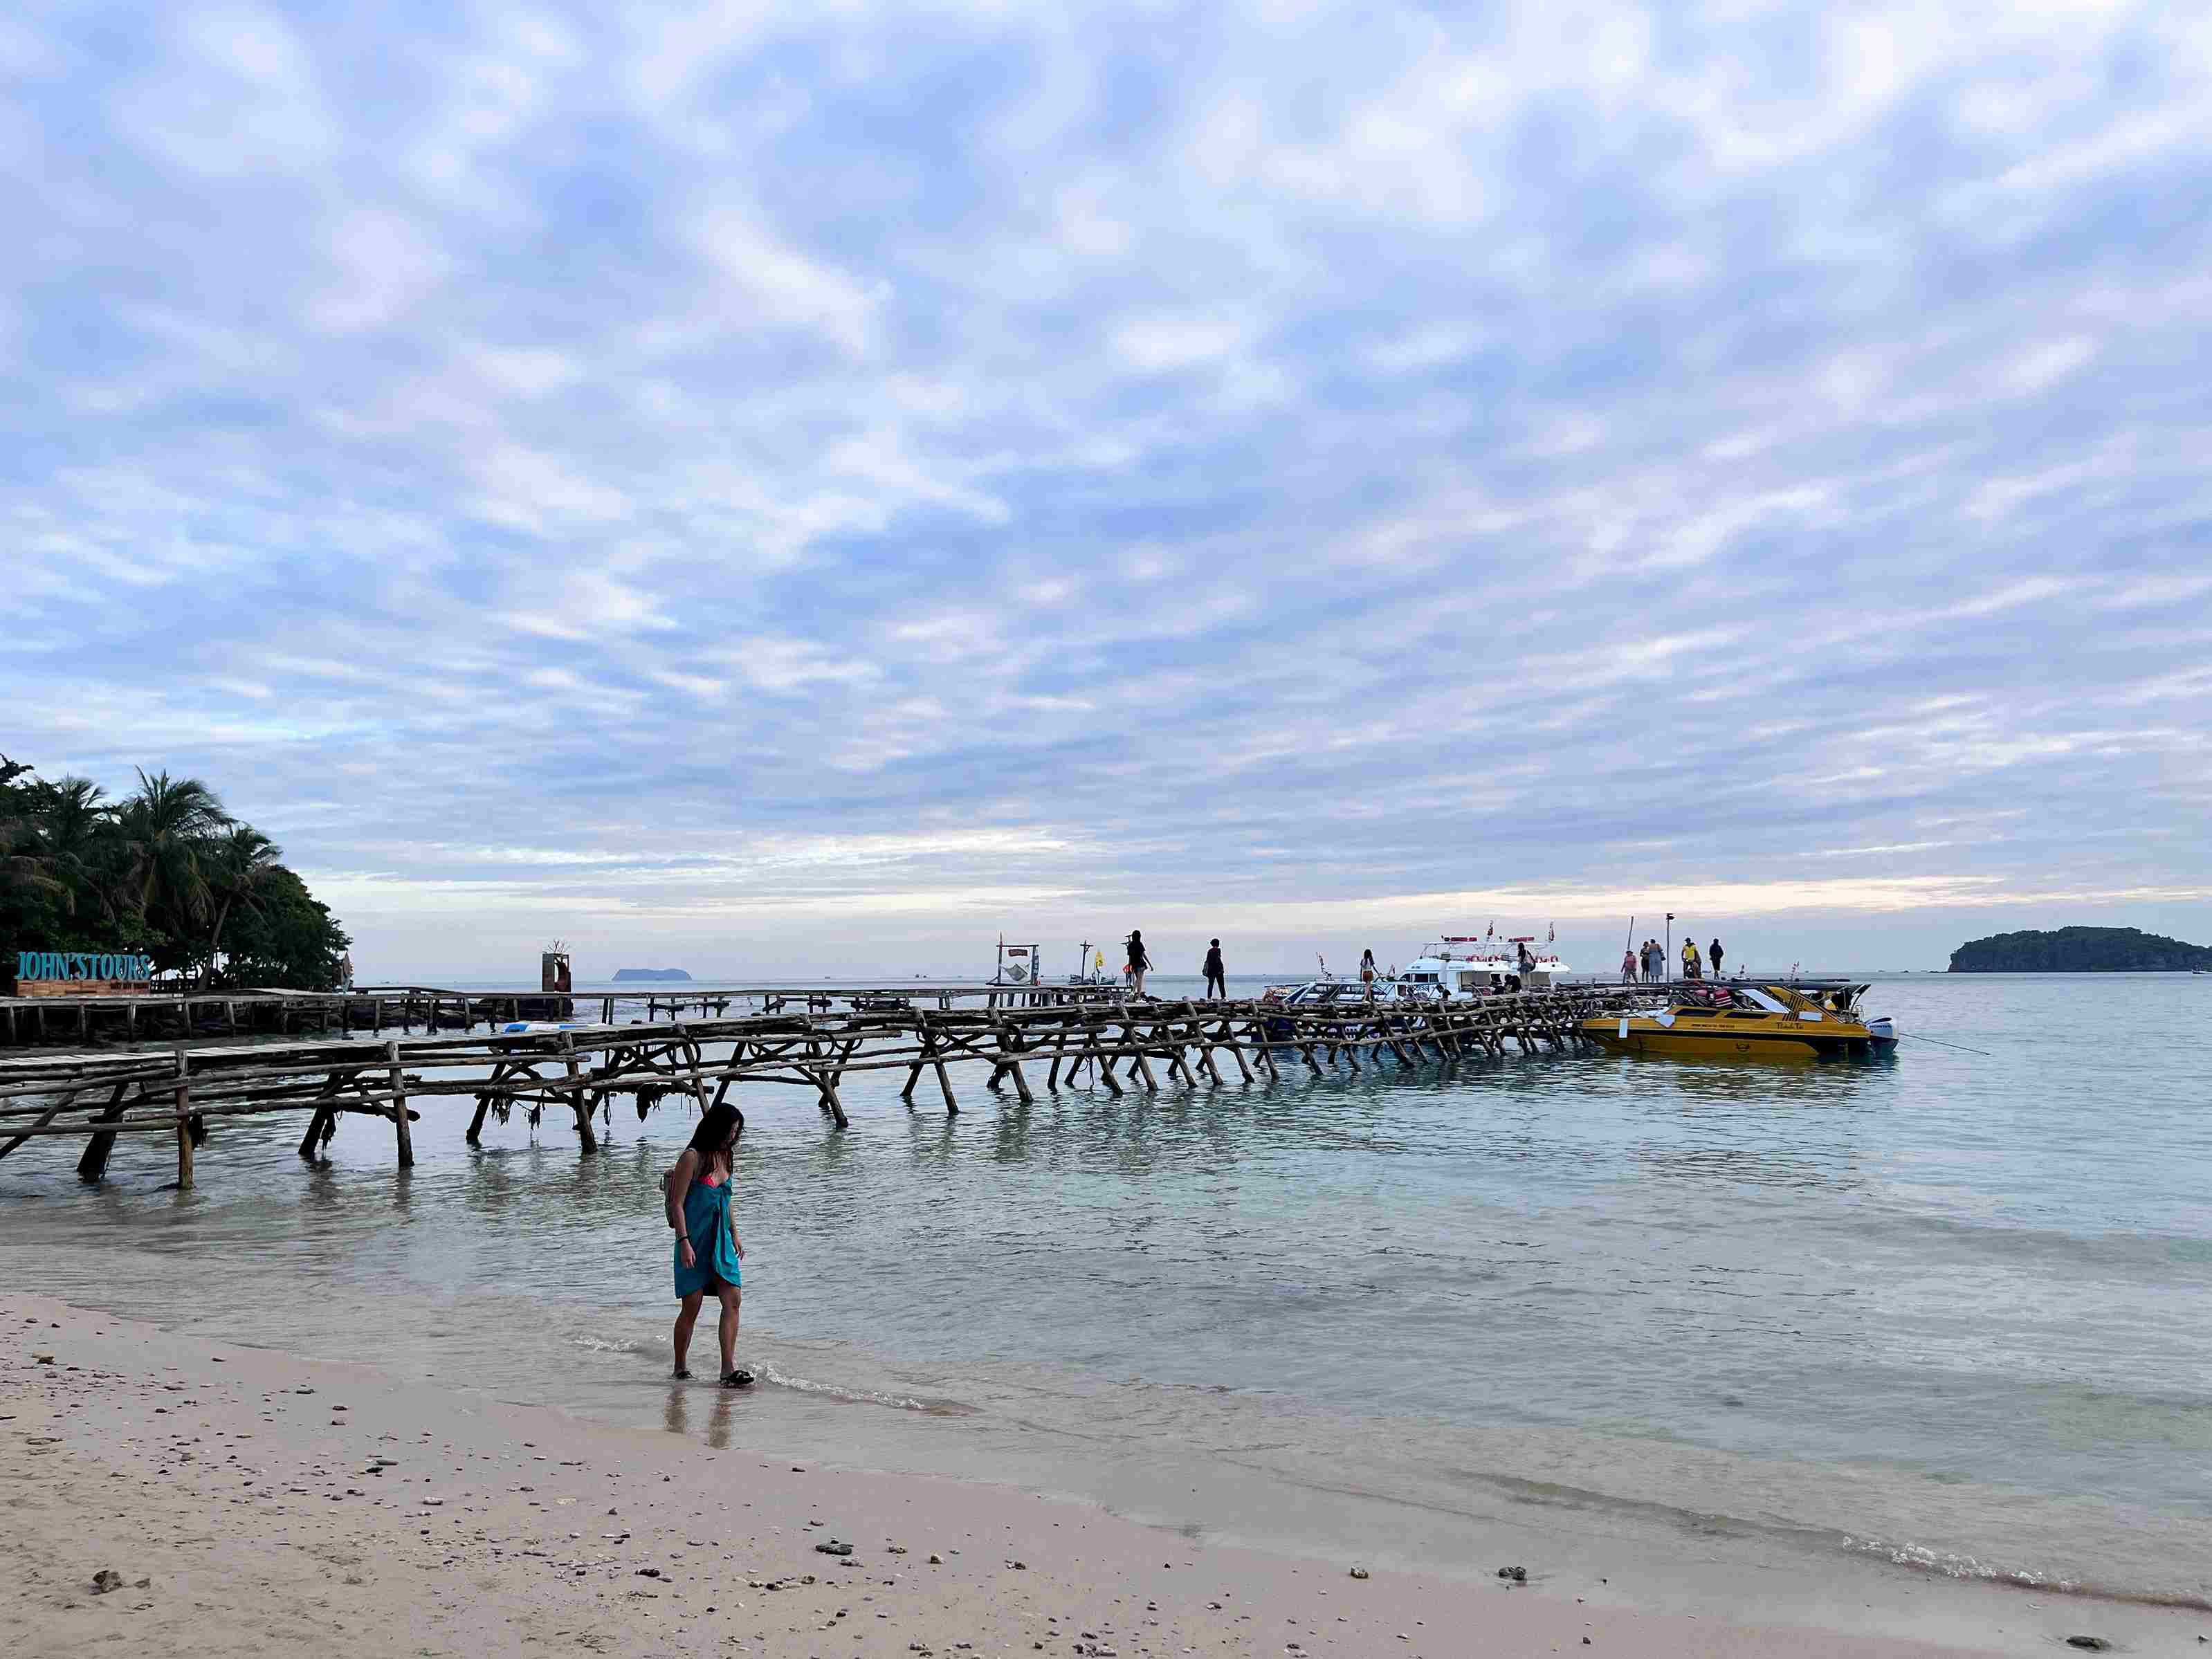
(1457, 966)
(1463, 965)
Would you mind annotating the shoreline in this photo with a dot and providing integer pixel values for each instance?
(504, 1523)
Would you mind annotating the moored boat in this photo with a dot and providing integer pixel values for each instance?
(1463, 965)
(1800, 1020)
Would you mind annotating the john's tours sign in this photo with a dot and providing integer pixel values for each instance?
(78, 973)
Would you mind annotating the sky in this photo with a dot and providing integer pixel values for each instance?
(814, 489)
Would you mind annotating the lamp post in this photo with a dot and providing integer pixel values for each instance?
(1669, 964)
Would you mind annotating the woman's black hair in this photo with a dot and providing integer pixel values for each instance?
(721, 1123)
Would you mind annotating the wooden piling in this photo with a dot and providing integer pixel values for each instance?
(582, 1107)
(184, 1098)
(403, 1129)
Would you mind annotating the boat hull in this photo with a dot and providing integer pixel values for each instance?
(1720, 1039)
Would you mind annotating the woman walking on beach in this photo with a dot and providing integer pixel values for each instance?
(707, 1253)
(1138, 962)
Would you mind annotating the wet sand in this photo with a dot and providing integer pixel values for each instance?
(250, 1502)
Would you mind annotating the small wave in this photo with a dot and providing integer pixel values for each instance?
(1949, 1565)
(1952, 1566)
(601, 1345)
(771, 1373)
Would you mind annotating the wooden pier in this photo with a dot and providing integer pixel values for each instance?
(1117, 1045)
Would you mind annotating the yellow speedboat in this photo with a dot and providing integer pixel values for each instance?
(1806, 1019)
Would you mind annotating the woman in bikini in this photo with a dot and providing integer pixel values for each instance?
(707, 1253)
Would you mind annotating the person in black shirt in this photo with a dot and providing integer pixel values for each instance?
(1217, 979)
(1713, 956)
(1138, 962)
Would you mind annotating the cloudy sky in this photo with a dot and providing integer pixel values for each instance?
(816, 487)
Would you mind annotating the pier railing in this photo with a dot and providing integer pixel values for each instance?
(164, 1014)
(577, 1072)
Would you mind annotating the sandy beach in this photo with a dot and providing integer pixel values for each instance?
(246, 1501)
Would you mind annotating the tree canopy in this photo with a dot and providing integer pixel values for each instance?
(164, 871)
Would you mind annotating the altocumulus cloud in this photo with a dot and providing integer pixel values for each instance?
(767, 478)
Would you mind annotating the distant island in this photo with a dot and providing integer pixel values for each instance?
(2078, 951)
(622, 974)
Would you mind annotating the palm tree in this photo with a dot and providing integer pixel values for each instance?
(29, 892)
(77, 829)
(235, 864)
(27, 883)
(165, 827)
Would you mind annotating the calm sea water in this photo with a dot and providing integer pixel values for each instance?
(1950, 1309)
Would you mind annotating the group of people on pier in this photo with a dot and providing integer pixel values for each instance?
(1139, 962)
(1647, 963)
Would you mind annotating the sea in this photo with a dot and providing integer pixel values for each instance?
(1947, 1310)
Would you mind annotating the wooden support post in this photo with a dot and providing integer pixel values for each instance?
(827, 1082)
(184, 1126)
(1009, 1043)
(576, 1097)
(405, 1131)
(319, 1124)
(1137, 1063)
(94, 1164)
(944, 1087)
(1205, 1048)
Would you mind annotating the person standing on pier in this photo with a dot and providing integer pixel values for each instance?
(1217, 978)
(1628, 967)
(1690, 959)
(708, 1255)
(1713, 956)
(1367, 971)
(1139, 961)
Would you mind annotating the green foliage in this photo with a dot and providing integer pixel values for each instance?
(165, 871)
(287, 937)
(2078, 951)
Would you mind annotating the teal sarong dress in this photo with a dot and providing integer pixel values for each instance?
(707, 1220)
